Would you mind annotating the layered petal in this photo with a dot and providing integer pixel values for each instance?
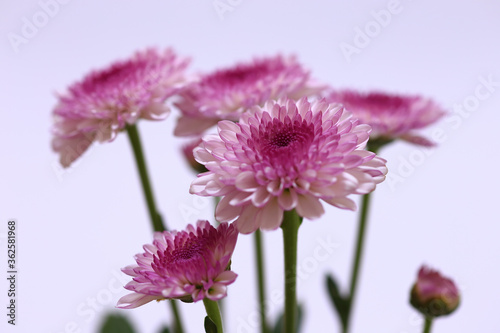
(190, 264)
(286, 155)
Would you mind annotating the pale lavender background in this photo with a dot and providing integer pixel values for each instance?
(78, 227)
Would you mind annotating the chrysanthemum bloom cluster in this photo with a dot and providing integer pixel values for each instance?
(433, 294)
(190, 265)
(225, 94)
(105, 101)
(391, 116)
(286, 155)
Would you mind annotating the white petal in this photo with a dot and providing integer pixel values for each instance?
(245, 181)
(342, 202)
(271, 216)
(246, 222)
(216, 292)
(288, 199)
(240, 198)
(202, 156)
(155, 111)
(225, 212)
(228, 136)
(199, 184)
(309, 207)
(226, 277)
(135, 300)
(260, 197)
(129, 270)
(227, 125)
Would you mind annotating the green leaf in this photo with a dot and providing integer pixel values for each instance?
(210, 326)
(164, 329)
(278, 327)
(341, 303)
(115, 323)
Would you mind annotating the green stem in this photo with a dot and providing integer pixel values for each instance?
(135, 141)
(359, 244)
(155, 217)
(363, 218)
(290, 226)
(213, 313)
(260, 279)
(178, 328)
(428, 324)
(221, 301)
(357, 256)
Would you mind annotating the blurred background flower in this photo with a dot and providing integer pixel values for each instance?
(99, 106)
(391, 116)
(226, 93)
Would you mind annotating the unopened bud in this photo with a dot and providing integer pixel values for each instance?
(434, 295)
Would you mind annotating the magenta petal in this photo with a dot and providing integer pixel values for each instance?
(182, 264)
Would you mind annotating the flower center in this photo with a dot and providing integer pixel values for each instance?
(283, 145)
(279, 138)
(283, 139)
(117, 73)
(186, 253)
(189, 252)
(385, 101)
(240, 75)
(375, 102)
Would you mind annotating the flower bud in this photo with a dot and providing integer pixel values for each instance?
(434, 295)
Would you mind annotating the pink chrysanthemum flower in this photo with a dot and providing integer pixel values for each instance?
(105, 101)
(226, 93)
(433, 294)
(190, 265)
(391, 116)
(286, 155)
